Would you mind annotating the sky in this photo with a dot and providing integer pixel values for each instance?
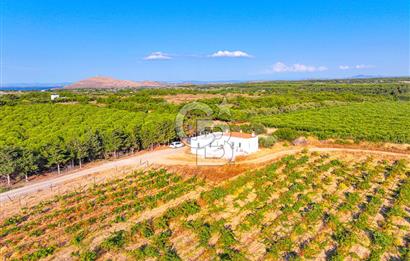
(50, 41)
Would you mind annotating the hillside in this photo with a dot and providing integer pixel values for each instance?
(102, 82)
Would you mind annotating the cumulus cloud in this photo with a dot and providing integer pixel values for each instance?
(280, 67)
(158, 56)
(359, 66)
(231, 54)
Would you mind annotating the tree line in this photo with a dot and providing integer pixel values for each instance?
(44, 137)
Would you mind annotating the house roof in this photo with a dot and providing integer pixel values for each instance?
(239, 135)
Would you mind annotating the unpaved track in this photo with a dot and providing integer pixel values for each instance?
(280, 154)
(155, 157)
(161, 157)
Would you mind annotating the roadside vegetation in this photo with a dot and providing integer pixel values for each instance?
(303, 206)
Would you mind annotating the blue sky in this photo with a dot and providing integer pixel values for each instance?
(63, 41)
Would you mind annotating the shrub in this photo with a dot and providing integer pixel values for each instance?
(146, 251)
(258, 128)
(382, 239)
(116, 240)
(227, 236)
(88, 256)
(78, 238)
(286, 134)
(267, 142)
(214, 194)
(41, 253)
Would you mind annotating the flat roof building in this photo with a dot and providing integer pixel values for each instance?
(225, 145)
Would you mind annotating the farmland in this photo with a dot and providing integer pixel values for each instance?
(385, 121)
(38, 135)
(314, 203)
(308, 205)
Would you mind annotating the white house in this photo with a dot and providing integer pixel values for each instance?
(54, 96)
(225, 145)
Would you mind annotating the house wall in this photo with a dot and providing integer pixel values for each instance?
(217, 145)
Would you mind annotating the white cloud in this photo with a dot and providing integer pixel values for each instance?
(363, 66)
(359, 66)
(158, 56)
(231, 54)
(280, 67)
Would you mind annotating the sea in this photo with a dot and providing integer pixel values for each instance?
(30, 88)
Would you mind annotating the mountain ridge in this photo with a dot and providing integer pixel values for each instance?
(105, 82)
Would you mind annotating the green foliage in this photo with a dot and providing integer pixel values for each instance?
(39, 254)
(146, 251)
(114, 241)
(88, 256)
(266, 142)
(227, 236)
(214, 194)
(35, 138)
(382, 239)
(286, 134)
(145, 228)
(387, 121)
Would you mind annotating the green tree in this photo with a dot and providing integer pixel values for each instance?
(55, 155)
(7, 164)
(80, 148)
(26, 163)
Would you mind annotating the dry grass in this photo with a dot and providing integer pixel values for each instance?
(214, 173)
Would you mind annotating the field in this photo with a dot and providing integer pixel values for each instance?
(309, 206)
(38, 135)
(384, 121)
(315, 204)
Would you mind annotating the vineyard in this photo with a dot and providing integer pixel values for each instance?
(385, 121)
(310, 206)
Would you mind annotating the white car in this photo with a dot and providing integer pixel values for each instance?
(176, 144)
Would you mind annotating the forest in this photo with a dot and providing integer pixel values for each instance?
(34, 138)
(39, 135)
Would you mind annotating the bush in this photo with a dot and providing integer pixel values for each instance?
(116, 240)
(41, 253)
(382, 239)
(88, 256)
(267, 142)
(143, 228)
(286, 134)
(258, 128)
(146, 251)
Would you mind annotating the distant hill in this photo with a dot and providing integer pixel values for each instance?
(103, 82)
(365, 76)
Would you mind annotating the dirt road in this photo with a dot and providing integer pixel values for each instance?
(155, 157)
(163, 157)
(280, 154)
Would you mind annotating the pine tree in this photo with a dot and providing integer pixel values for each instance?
(7, 164)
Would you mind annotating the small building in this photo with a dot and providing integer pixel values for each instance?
(225, 145)
(54, 96)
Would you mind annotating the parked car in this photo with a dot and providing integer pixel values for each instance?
(176, 144)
